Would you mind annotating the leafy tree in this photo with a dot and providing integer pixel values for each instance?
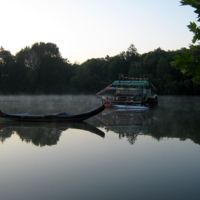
(96, 77)
(189, 63)
(27, 64)
(95, 66)
(131, 54)
(43, 49)
(8, 73)
(40, 69)
(135, 69)
(117, 65)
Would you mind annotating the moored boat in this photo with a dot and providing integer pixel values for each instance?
(60, 117)
(129, 92)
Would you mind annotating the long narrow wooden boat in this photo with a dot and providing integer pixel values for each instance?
(60, 117)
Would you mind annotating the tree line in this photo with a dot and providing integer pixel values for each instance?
(41, 69)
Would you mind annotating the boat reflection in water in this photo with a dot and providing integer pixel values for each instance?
(40, 133)
(127, 122)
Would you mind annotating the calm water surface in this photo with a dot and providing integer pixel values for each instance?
(118, 154)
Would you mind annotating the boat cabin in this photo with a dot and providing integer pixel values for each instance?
(132, 88)
(136, 91)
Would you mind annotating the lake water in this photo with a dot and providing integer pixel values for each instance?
(118, 154)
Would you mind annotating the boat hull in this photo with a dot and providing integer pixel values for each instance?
(61, 117)
(132, 107)
(150, 102)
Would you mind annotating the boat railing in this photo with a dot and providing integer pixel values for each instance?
(122, 101)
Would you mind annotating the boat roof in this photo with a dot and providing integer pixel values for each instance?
(130, 83)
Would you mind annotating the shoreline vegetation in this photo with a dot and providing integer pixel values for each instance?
(40, 69)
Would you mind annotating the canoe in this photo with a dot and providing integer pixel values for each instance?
(60, 117)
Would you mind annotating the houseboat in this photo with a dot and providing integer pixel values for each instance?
(129, 92)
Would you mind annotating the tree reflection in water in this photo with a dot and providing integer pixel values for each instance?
(42, 134)
(127, 122)
(180, 120)
(175, 117)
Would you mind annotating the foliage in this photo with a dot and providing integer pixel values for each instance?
(40, 69)
(188, 63)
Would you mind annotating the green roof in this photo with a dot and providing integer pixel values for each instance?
(130, 83)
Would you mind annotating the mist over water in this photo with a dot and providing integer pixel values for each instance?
(74, 103)
(118, 154)
(49, 103)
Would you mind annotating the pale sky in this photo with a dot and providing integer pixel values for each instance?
(85, 29)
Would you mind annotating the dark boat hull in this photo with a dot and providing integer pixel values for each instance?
(150, 102)
(60, 117)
